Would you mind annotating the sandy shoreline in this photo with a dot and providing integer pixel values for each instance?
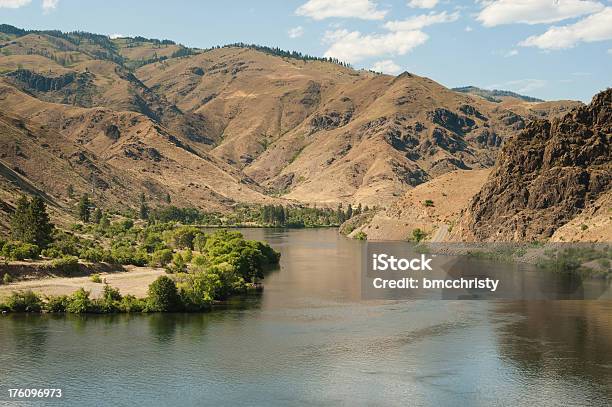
(134, 281)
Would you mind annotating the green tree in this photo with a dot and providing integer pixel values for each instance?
(163, 295)
(97, 216)
(144, 209)
(70, 191)
(349, 212)
(30, 222)
(84, 208)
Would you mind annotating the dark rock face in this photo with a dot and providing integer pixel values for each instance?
(546, 175)
(40, 82)
(451, 121)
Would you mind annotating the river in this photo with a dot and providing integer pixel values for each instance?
(310, 340)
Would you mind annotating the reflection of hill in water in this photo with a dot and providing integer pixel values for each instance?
(564, 340)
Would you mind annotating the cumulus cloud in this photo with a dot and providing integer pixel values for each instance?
(468, 29)
(500, 12)
(352, 46)
(296, 32)
(521, 85)
(596, 27)
(116, 35)
(424, 20)
(401, 37)
(322, 9)
(49, 5)
(422, 3)
(386, 66)
(14, 3)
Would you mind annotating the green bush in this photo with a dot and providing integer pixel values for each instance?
(51, 253)
(178, 264)
(163, 295)
(20, 251)
(418, 235)
(129, 303)
(56, 303)
(428, 202)
(361, 235)
(182, 237)
(24, 301)
(79, 302)
(96, 278)
(66, 265)
(199, 242)
(161, 258)
(7, 279)
(109, 302)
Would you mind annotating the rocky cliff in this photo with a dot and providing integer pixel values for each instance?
(545, 176)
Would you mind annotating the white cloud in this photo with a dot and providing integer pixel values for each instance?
(610, 51)
(322, 9)
(511, 53)
(296, 32)
(422, 3)
(116, 35)
(401, 37)
(521, 85)
(424, 20)
(49, 5)
(386, 66)
(353, 46)
(468, 29)
(500, 12)
(14, 3)
(596, 27)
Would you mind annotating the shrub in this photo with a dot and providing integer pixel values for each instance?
(428, 202)
(188, 256)
(66, 265)
(199, 242)
(418, 235)
(161, 257)
(24, 301)
(361, 235)
(79, 302)
(129, 303)
(20, 251)
(583, 227)
(109, 302)
(163, 295)
(51, 253)
(182, 237)
(56, 304)
(7, 279)
(96, 278)
(178, 264)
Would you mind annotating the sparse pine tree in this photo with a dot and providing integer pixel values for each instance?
(30, 222)
(84, 208)
(144, 209)
(168, 200)
(70, 191)
(42, 229)
(358, 210)
(19, 221)
(97, 216)
(349, 212)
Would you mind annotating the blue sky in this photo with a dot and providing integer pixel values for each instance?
(552, 49)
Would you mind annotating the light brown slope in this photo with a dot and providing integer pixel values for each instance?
(55, 145)
(450, 194)
(325, 133)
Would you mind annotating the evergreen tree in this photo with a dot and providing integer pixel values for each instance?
(168, 200)
(70, 191)
(19, 221)
(358, 210)
(30, 222)
(349, 212)
(42, 229)
(97, 216)
(144, 209)
(84, 208)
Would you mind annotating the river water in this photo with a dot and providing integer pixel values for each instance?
(310, 340)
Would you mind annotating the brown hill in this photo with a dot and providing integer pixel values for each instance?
(231, 124)
(550, 180)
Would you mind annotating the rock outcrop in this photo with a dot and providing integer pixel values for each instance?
(544, 177)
